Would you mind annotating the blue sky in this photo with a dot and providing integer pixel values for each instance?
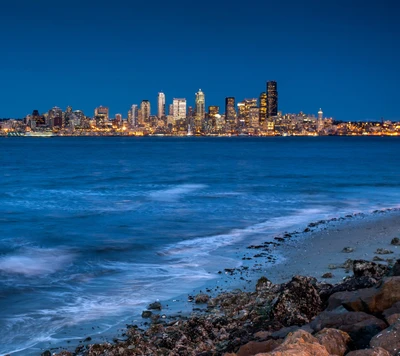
(340, 55)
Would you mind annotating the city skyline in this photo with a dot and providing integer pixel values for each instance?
(339, 56)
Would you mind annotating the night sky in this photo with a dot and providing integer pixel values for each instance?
(342, 56)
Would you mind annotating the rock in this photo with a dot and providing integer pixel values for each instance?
(155, 306)
(363, 268)
(282, 333)
(262, 335)
(388, 339)
(396, 269)
(201, 298)
(392, 319)
(146, 314)
(378, 259)
(369, 352)
(360, 326)
(383, 251)
(46, 353)
(299, 343)
(327, 275)
(370, 300)
(263, 283)
(393, 310)
(297, 302)
(335, 341)
(395, 241)
(254, 347)
(348, 250)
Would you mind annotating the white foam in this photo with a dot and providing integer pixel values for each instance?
(35, 262)
(174, 194)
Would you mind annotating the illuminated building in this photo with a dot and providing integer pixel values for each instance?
(263, 108)
(230, 111)
(145, 110)
(200, 110)
(101, 115)
(179, 108)
(272, 99)
(161, 105)
(133, 115)
(254, 116)
(171, 110)
(55, 117)
(190, 112)
(244, 111)
(213, 113)
(320, 120)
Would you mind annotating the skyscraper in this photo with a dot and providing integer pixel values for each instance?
(272, 99)
(230, 111)
(244, 110)
(213, 113)
(320, 120)
(133, 116)
(145, 108)
(200, 110)
(263, 108)
(161, 105)
(179, 108)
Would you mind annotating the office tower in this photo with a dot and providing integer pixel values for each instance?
(254, 116)
(145, 110)
(213, 113)
(133, 115)
(101, 115)
(320, 120)
(272, 99)
(263, 108)
(161, 105)
(244, 111)
(200, 110)
(179, 108)
(171, 110)
(230, 111)
(190, 112)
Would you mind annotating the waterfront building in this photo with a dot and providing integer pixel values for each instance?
(55, 117)
(230, 111)
(213, 113)
(320, 125)
(263, 108)
(101, 115)
(161, 105)
(171, 110)
(244, 111)
(145, 111)
(200, 110)
(179, 108)
(272, 99)
(254, 116)
(133, 116)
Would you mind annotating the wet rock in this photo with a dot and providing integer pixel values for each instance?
(348, 250)
(64, 353)
(388, 339)
(360, 326)
(392, 315)
(369, 352)
(155, 306)
(383, 251)
(254, 347)
(335, 341)
(46, 353)
(332, 266)
(327, 275)
(146, 314)
(297, 302)
(395, 269)
(262, 335)
(378, 259)
(263, 283)
(201, 298)
(363, 268)
(395, 241)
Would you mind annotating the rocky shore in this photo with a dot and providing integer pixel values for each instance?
(358, 316)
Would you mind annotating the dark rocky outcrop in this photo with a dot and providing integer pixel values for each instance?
(388, 339)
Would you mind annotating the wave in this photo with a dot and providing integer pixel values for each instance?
(174, 194)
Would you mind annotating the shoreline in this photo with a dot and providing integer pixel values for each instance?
(321, 244)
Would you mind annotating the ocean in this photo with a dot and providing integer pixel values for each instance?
(93, 229)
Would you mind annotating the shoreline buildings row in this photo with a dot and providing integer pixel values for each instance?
(253, 116)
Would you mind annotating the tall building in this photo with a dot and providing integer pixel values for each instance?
(161, 105)
(133, 115)
(244, 111)
(179, 108)
(263, 108)
(230, 111)
(145, 110)
(213, 113)
(200, 110)
(272, 99)
(320, 121)
(171, 110)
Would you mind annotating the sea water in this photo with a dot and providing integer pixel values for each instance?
(93, 229)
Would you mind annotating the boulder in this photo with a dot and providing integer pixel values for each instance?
(348, 250)
(392, 314)
(383, 251)
(201, 298)
(254, 347)
(395, 241)
(396, 269)
(299, 343)
(369, 352)
(297, 302)
(370, 300)
(388, 339)
(146, 314)
(360, 326)
(282, 333)
(155, 306)
(263, 283)
(327, 275)
(363, 268)
(335, 341)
